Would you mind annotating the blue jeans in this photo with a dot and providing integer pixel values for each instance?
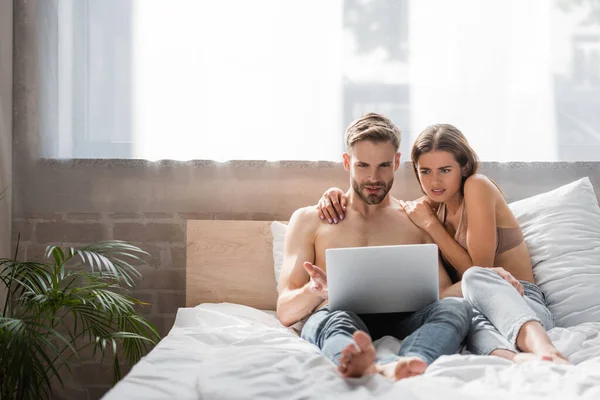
(435, 330)
(502, 310)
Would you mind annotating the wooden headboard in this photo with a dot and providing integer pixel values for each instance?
(230, 261)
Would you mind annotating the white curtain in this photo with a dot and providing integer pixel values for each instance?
(485, 67)
(281, 79)
(237, 79)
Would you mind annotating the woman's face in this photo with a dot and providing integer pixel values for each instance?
(440, 176)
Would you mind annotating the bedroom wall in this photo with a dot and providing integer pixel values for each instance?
(6, 60)
(76, 202)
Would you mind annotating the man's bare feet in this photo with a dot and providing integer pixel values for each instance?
(359, 360)
(405, 367)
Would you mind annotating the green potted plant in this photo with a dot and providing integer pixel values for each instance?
(55, 309)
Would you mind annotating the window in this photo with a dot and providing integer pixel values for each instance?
(281, 79)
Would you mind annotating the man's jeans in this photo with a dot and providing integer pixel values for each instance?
(436, 330)
(502, 310)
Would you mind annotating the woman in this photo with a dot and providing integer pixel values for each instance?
(480, 242)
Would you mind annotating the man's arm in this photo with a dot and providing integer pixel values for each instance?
(297, 298)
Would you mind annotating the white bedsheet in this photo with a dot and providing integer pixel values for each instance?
(229, 351)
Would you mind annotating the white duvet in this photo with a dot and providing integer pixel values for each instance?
(230, 351)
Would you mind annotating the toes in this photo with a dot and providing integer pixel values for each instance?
(417, 367)
(345, 358)
(354, 350)
(350, 350)
(363, 340)
(407, 368)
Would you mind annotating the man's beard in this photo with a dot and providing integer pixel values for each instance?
(361, 191)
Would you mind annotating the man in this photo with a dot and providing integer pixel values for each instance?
(373, 218)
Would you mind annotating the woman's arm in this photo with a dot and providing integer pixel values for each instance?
(479, 198)
(458, 257)
(480, 206)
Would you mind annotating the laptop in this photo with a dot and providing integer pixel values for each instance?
(382, 279)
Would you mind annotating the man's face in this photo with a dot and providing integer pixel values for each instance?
(372, 166)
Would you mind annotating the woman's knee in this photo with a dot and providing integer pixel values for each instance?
(474, 281)
(476, 275)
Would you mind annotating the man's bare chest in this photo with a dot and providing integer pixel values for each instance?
(349, 234)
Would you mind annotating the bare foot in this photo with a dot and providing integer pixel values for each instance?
(554, 357)
(503, 353)
(405, 367)
(523, 358)
(358, 359)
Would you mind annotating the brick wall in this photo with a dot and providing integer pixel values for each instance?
(163, 277)
(163, 283)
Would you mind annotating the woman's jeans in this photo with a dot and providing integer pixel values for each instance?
(500, 311)
(438, 329)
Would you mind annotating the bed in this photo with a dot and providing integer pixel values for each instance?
(228, 344)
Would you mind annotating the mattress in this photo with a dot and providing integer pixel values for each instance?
(230, 351)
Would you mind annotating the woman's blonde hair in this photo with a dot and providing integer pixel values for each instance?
(446, 137)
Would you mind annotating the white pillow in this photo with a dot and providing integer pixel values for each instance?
(562, 232)
(278, 230)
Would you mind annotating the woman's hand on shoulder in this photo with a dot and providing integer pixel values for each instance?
(332, 205)
(420, 212)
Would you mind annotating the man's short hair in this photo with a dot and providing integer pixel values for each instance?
(374, 127)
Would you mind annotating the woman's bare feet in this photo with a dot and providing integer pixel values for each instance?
(518, 358)
(523, 358)
(359, 360)
(502, 353)
(533, 338)
(554, 356)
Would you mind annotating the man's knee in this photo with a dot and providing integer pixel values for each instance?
(347, 321)
(324, 324)
(454, 309)
(343, 316)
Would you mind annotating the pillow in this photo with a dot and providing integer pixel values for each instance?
(562, 232)
(278, 230)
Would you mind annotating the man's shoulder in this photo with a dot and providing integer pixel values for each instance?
(307, 216)
(402, 221)
(306, 212)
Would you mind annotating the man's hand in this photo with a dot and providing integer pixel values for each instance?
(507, 276)
(318, 280)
